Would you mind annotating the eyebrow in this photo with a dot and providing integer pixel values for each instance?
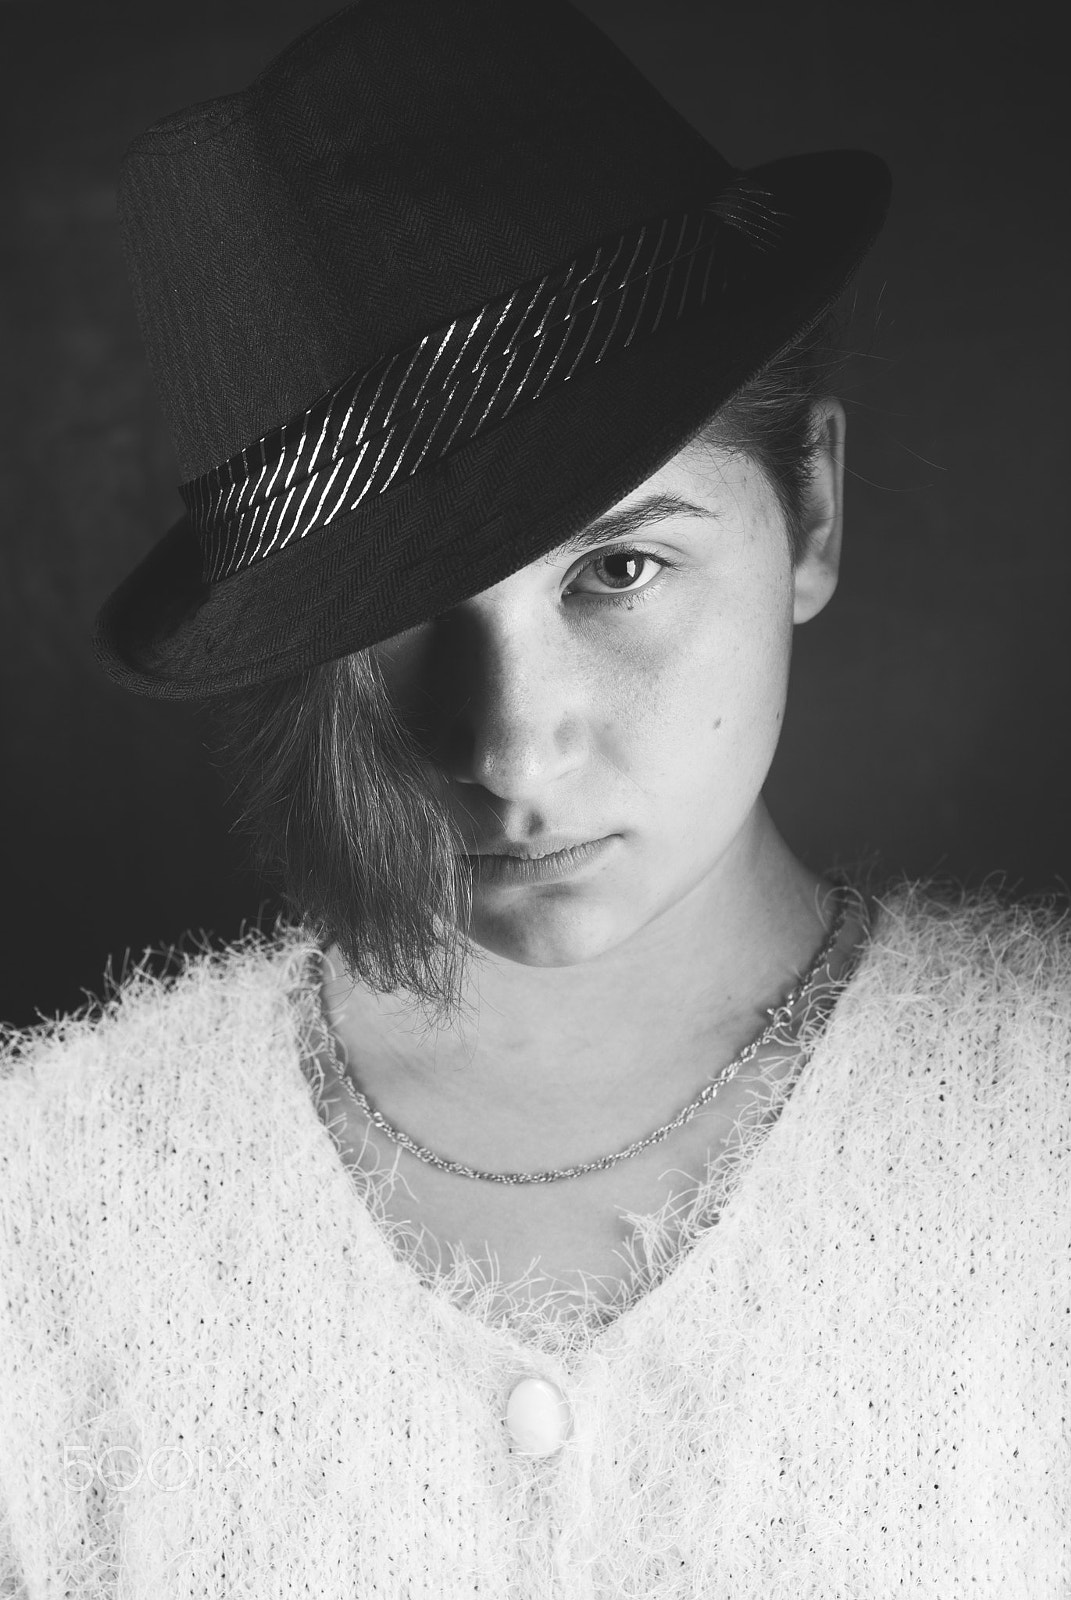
(618, 524)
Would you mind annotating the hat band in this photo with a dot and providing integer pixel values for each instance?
(382, 425)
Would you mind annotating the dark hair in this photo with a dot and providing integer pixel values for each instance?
(772, 420)
(346, 814)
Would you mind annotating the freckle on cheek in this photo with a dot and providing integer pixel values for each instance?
(717, 724)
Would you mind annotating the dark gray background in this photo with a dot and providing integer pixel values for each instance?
(928, 724)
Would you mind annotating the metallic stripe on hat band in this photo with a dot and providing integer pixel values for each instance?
(417, 405)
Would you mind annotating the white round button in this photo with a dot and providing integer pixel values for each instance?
(537, 1416)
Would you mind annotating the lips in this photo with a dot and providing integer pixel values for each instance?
(522, 850)
(514, 863)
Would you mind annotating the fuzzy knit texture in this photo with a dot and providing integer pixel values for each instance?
(221, 1376)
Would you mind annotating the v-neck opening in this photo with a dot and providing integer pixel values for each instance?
(663, 1250)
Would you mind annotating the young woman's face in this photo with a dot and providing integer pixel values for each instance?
(605, 718)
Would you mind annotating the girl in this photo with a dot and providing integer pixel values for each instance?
(579, 1196)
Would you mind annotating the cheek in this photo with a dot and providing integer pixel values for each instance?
(755, 680)
(705, 701)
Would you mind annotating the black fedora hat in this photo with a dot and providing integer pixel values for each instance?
(444, 283)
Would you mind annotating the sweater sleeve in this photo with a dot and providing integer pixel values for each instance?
(12, 1583)
(32, 1179)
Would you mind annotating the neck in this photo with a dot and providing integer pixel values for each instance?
(623, 1030)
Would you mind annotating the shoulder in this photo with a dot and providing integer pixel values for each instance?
(944, 937)
(978, 974)
(155, 1022)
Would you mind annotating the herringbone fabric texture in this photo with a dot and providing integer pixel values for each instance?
(445, 282)
(415, 406)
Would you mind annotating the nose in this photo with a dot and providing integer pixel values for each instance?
(513, 719)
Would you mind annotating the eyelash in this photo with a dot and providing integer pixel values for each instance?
(623, 597)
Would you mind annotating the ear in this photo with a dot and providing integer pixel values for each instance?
(815, 576)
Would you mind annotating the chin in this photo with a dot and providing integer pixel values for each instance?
(544, 934)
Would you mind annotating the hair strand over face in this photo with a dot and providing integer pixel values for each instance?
(347, 820)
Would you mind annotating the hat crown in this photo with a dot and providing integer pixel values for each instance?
(400, 164)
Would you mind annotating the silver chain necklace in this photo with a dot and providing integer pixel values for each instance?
(780, 1016)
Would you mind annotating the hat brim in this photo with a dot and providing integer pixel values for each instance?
(508, 497)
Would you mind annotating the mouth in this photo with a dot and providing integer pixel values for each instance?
(517, 862)
(522, 851)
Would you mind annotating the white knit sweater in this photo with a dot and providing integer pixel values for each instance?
(219, 1378)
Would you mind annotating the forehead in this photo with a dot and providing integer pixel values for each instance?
(701, 480)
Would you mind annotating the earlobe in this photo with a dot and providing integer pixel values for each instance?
(817, 569)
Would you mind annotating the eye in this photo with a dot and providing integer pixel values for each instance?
(617, 572)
